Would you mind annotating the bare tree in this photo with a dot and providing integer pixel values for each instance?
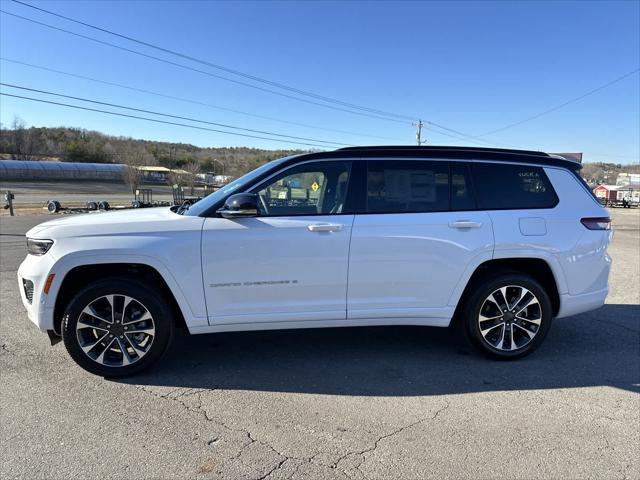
(133, 157)
(22, 139)
(193, 168)
(132, 177)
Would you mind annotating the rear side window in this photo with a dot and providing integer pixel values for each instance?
(407, 186)
(462, 197)
(503, 187)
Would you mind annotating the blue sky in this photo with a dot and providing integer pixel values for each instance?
(470, 66)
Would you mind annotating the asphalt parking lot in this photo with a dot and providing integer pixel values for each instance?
(334, 403)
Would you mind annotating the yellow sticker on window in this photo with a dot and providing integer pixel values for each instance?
(315, 186)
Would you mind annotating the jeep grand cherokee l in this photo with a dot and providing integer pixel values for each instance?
(501, 241)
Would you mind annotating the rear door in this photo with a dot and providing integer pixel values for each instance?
(416, 240)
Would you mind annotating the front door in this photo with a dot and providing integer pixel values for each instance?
(289, 263)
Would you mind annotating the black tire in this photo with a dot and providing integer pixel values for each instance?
(161, 318)
(470, 314)
(53, 206)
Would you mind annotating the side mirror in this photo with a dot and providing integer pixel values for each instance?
(240, 205)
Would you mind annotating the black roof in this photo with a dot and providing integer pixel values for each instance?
(448, 152)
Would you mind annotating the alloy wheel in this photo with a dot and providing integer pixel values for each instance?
(115, 330)
(510, 318)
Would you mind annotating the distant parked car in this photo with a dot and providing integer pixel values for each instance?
(494, 242)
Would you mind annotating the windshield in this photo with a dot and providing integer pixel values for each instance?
(235, 186)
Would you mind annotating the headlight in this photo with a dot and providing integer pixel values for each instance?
(38, 247)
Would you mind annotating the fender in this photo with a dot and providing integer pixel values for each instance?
(550, 259)
(194, 315)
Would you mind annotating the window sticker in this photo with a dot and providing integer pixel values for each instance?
(409, 186)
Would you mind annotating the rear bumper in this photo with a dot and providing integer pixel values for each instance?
(574, 304)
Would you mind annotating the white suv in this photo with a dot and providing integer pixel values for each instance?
(495, 242)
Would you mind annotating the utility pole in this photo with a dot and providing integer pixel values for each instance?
(419, 126)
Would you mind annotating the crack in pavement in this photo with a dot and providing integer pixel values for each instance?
(200, 410)
(363, 453)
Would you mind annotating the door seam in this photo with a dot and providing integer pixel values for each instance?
(346, 298)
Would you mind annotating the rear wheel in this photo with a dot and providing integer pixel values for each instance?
(508, 316)
(117, 327)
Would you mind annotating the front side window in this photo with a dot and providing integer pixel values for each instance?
(217, 197)
(318, 188)
(407, 186)
(503, 187)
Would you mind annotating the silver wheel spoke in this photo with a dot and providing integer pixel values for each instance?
(110, 299)
(100, 358)
(487, 330)
(523, 293)
(501, 342)
(87, 348)
(533, 301)
(503, 291)
(499, 303)
(82, 324)
(137, 349)
(535, 321)
(145, 316)
(90, 311)
(126, 359)
(528, 332)
(148, 331)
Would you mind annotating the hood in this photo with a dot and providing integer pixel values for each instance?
(130, 220)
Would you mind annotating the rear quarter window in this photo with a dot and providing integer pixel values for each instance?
(507, 187)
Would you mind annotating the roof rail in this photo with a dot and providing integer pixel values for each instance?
(444, 147)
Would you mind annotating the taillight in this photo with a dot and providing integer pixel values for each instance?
(597, 223)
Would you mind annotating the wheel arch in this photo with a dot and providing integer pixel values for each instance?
(537, 268)
(81, 275)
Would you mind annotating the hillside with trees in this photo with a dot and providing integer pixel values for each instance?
(78, 145)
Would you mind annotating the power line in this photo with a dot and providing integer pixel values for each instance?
(178, 117)
(378, 116)
(78, 107)
(217, 66)
(564, 104)
(195, 102)
(186, 67)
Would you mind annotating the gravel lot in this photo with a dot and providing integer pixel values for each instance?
(338, 403)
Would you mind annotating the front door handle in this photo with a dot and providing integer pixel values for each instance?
(465, 224)
(324, 227)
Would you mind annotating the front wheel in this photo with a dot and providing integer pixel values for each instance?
(117, 327)
(508, 317)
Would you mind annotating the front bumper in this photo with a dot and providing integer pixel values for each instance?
(40, 308)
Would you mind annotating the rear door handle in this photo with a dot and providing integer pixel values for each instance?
(325, 227)
(465, 224)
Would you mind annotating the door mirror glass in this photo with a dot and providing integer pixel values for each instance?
(240, 205)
